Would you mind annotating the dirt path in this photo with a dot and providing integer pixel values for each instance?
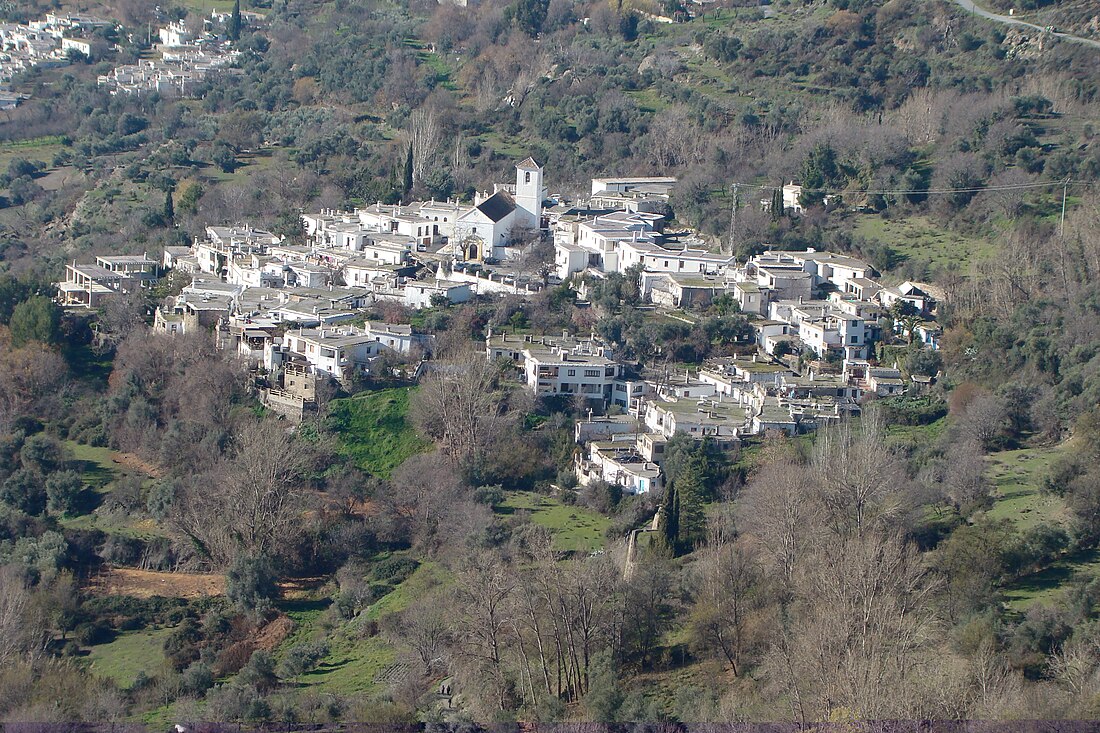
(149, 583)
(136, 463)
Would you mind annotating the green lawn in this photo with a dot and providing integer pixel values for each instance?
(426, 577)
(100, 472)
(374, 431)
(1044, 586)
(136, 651)
(357, 662)
(1017, 476)
(575, 528)
(39, 148)
(917, 238)
(96, 464)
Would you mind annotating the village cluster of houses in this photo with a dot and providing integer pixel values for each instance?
(725, 400)
(186, 58)
(45, 43)
(296, 312)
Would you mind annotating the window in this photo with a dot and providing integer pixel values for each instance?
(620, 387)
(591, 372)
(328, 353)
(527, 177)
(571, 373)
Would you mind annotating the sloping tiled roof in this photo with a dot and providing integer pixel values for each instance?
(528, 163)
(497, 206)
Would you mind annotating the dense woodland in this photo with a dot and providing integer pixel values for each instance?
(873, 570)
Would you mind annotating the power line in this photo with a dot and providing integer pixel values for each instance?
(931, 191)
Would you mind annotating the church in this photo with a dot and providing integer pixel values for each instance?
(485, 230)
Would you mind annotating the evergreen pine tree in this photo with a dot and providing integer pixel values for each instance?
(235, 22)
(408, 171)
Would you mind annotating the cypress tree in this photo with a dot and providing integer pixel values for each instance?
(777, 204)
(409, 170)
(670, 519)
(235, 22)
(690, 491)
(169, 207)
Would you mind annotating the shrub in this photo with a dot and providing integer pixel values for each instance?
(260, 671)
(62, 491)
(250, 584)
(92, 632)
(302, 658)
(394, 569)
(197, 678)
(491, 495)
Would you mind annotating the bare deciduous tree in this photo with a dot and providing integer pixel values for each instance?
(730, 614)
(461, 406)
(425, 136)
(777, 510)
(481, 626)
(857, 475)
(860, 632)
(252, 501)
(19, 627)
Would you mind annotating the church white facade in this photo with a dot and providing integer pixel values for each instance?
(486, 229)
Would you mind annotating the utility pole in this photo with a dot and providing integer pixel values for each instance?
(1062, 226)
(733, 219)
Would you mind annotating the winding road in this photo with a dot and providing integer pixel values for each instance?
(971, 6)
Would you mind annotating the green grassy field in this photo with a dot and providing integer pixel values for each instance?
(356, 662)
(1044, 586)
(39, 148)
(96, 464)
(916, 238)
(575, 528)
(101, 471)
(374, 431)
(1017, 476)
(426, 577)
(122, 659)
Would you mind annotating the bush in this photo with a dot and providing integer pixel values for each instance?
(92, 632)
(302, 658)
(197, 679)
(911, 410)
(492, 495)
(236, 703)
(250, 584)
(567, 479)
(394, 569)
(260, 671)
(62, 491)
(23, 490)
